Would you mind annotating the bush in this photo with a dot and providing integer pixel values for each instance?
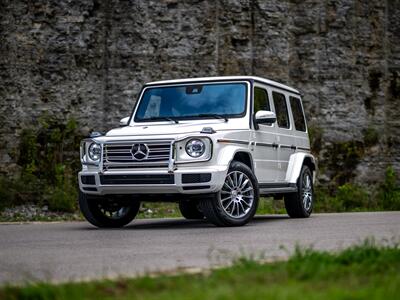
(389, 191)
(64, 194)
(49, 160)
(353, 197)
(347, 197)
(7, 193)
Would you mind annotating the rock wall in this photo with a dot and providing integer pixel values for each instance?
(87, 60)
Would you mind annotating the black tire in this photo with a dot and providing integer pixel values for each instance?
(297, 204)
(214, 210)
(93, 207)
(190, 210)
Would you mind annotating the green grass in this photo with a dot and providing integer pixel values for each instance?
(366, 271)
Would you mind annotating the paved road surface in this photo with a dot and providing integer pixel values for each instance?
(72, 251)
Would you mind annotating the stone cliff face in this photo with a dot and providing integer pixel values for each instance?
(87, 60)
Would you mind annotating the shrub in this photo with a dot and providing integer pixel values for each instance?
(49, 160)
(371, 136)
(353, 197)
(389, 191)
(64, 194)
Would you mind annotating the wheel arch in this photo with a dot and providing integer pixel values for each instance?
(245, 158)
(234, 152)
(296, 162)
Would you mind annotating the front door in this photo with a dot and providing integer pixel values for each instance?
(264, 145)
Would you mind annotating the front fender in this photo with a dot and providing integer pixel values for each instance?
(227, 153)
(296, 162)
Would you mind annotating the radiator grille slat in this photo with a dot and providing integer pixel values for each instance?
(119, 155)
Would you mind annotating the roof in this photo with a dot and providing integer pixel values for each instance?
(205, 79)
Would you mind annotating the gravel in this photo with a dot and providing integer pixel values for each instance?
(32, 212)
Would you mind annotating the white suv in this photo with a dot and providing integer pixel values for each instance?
(215, 145)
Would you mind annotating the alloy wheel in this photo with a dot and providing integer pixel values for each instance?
(237, 194)
(307, 193)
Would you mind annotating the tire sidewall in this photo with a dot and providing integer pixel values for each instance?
(238, 166)
(89, 208)
(305, 170)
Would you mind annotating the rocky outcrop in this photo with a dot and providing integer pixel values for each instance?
(87, 60)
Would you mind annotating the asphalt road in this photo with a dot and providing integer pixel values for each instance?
(74, 251)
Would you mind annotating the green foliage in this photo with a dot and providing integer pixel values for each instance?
(7, 194)
(353, 197)
(389, 191)
(342, 159)
(64, 194)
(366, 271)
(371, 137)
(325, 202)
(270, 206)
(49, 159)
(347, 197)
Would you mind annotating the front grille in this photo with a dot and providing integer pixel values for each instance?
(138, 179)
(121, 155)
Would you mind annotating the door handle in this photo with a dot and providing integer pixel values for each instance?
(293, 147)
(275, 145)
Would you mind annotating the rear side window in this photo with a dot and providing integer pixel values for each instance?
(281, 110)
(298, 114)
(261, 101)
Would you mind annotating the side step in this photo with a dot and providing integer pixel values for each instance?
(267, 189)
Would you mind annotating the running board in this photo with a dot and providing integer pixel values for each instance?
(277, 188)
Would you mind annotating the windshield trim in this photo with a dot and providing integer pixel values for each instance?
(183, 118)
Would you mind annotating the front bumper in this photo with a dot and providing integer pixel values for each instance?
(196, 180)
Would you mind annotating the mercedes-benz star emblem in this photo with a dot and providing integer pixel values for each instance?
(139, 151)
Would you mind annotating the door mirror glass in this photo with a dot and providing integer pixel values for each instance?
(124, 122)
(264, 117)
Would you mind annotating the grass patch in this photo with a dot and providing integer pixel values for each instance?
(366, 271)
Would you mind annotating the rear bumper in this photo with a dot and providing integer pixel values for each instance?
(182, 181)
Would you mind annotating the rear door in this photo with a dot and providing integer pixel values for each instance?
(300, 125)
(284, 132)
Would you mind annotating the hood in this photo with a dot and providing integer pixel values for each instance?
(170, 128)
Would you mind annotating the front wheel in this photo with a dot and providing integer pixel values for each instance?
(300, 204)
(236, 203)
(102, 211)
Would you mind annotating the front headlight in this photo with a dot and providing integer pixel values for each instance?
(195, 148)
(90, 152)
(94, 151)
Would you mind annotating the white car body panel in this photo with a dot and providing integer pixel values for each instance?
(276, 154)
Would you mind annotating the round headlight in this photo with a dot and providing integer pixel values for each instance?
(94, 151)
(195, 148)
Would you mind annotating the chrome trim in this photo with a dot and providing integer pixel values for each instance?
(231, 141)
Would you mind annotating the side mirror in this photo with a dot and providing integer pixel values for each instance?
(124, 122)
(264, 117)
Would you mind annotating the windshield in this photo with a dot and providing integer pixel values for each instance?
(192, 102)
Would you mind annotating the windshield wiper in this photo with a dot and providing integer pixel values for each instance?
(215, 116)
(161, 118)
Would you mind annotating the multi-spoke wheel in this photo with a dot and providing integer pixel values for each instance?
(300, 204)
(108, 212)
(237, 194)
(237, 201)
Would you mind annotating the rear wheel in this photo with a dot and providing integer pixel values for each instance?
(190, 210)
(300, 204)
(110, 212)
(236, 203)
